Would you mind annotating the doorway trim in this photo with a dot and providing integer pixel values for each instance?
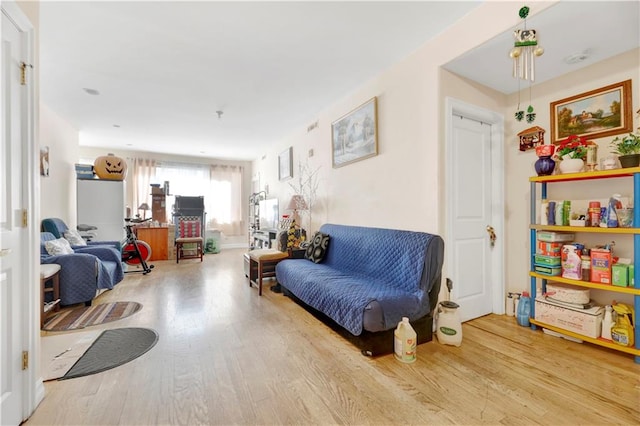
(32, 385)
(496, 120)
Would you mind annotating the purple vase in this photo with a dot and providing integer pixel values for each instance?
(544, 165)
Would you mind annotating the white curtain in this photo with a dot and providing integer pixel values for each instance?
(221, 186)
(225, 204)
(143, 173)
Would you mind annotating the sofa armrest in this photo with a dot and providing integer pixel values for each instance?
(109, 254)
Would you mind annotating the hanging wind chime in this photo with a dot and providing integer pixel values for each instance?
(524, 52)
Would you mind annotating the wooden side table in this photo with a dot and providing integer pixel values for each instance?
(49, 272)
(262, 264)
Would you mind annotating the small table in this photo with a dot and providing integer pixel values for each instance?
(49, 272)
(262, 264)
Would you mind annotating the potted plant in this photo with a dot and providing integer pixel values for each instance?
(628, 149)
(572, 153)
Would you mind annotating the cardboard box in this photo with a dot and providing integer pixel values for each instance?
(548, 270)
(553, 237)
(620, 275)
(587, 322)
(546, 260)
(601, 266)
(549, 249)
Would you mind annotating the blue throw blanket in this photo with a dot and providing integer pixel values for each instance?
(366, 264)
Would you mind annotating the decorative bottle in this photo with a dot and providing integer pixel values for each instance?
(607, 322)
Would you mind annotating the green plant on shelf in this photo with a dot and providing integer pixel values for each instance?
(626, 145)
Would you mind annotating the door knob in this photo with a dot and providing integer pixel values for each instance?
(492, 235)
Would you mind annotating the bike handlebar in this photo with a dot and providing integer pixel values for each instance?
(136, 220)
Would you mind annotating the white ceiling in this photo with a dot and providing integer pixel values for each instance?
(600, 29)
(163, 68)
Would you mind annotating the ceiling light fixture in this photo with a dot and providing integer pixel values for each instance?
(93, 92)
(576, 58)
(219, 112)
(116, 125)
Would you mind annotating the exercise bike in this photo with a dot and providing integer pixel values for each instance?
(134, 251)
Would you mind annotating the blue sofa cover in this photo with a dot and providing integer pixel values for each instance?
(83, 273)
(367, 269)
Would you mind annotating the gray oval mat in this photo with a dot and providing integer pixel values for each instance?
(113, 348)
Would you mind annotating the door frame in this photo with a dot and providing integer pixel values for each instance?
(457, 107)
(32, 384)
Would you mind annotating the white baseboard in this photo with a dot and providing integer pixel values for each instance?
(234, 246)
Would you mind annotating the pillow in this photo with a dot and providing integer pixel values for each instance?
(317, 247)
(59, 246)
(74, 237)
(189, 228)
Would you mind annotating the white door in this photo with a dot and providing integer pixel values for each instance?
(474, 199)
(12, 234)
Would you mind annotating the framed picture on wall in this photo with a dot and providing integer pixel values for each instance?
(285, 164)
(595, 114)
(354, 136)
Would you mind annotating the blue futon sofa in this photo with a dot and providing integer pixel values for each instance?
(368, 280)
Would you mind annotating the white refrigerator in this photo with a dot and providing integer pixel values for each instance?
(101, 203)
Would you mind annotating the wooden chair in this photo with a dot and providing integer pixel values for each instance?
(189, 240)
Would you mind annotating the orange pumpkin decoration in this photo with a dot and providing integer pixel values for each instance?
(110, 167)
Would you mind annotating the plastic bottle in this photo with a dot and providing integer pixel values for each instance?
(448, 324)
(524, 309)
(622, 330)
(607, 322)
(510, 311)
(544, 212)
(594, 213)
(586, 265)
(405, 341)
(612, 215)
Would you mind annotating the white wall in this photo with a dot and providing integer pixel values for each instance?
(401, 187)
(58, 190)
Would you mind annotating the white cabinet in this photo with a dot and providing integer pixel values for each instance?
(101, 203)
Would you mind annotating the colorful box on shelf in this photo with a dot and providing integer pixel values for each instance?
(549, 249)
(546, 260)
(587, 322)
(553, 237)
(601, 261)
(552, 271)
(620, 275)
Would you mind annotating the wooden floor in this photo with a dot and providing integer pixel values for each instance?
(227, 356)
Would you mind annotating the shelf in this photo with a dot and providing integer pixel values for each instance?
(589, 284)
(600, 174)
(634, 173)
(590, 229)
(601, 342)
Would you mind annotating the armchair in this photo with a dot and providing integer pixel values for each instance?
(85, 272)
(57, 227)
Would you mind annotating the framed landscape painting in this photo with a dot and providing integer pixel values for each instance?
(602, 112)
(354, 136)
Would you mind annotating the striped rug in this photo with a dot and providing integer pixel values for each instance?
(73, 319)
